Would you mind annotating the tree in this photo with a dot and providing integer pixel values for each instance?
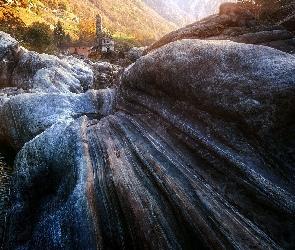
(58, 34)
(67, 38)
(24, 3)
(87, 30)
(11, 23)
(39, 36)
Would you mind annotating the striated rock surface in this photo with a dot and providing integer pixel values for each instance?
(196, 152)
(286, 16)
(37, 92)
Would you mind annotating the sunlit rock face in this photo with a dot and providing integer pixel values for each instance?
(48, 73)
(198, 153)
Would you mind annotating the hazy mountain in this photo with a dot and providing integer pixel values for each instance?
(171, 11)
(129, 17)
(182, 12)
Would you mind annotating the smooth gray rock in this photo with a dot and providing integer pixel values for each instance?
(36, 112)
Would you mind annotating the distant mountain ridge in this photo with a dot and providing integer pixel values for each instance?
(182, 12)
(129, 17)
(144, 19)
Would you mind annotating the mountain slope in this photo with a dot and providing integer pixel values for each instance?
(146, 20)
(171, 11)
(131, 17)
(182, 12)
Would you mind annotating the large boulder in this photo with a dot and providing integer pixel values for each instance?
(40, 92)
(10, 52)
(36, 112)
(105, 74)
(30, 81)
(199, 153)
(286, 16)
(236, 15)
(46, 73)
(232, 23)
(50, 74)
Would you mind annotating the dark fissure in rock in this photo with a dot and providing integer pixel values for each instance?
(7, 156)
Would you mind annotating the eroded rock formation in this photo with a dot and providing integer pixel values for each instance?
(236, 24)
(196, 152)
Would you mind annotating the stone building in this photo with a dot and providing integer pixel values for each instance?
(104, 44)
(80, 49)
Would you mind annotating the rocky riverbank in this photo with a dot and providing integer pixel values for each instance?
(192, 146)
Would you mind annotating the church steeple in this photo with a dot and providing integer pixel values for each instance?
(98, 30)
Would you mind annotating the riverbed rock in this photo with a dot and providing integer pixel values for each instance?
(35, 112)
(199, 152)
(41, 72)
(50, 74)
(134, 53)
(105, 74)
(232, 23)
(10, 53)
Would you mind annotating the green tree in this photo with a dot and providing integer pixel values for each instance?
(39, 37)
(58, 34)
(68, 38)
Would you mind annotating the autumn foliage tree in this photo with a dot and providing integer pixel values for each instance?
(11, 23)
(87, 30)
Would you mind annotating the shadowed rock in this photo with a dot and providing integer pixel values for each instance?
(199, 153)
(232, 23)
(105, 74)
(10, 53)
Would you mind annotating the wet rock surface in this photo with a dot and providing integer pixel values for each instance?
(195, 149)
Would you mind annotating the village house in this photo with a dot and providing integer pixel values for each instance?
(80, 49)
(107, 43)
(104, 44)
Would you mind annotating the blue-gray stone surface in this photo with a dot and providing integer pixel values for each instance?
(195, 149)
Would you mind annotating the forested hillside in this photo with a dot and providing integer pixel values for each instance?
(120, 17)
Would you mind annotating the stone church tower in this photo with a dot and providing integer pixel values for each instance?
(98, 31)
